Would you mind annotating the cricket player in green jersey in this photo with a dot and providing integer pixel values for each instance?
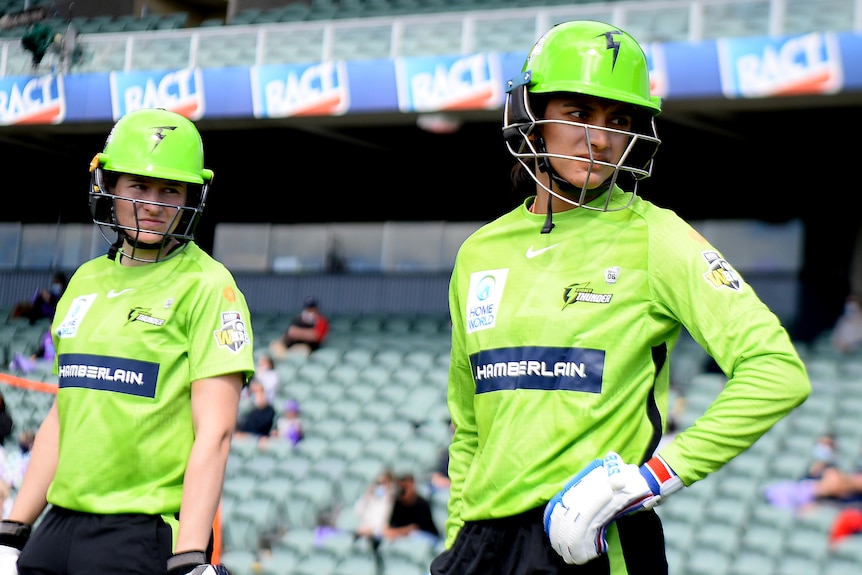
(154, 344)
(565, 312)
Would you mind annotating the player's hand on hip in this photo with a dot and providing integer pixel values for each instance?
(576, 519)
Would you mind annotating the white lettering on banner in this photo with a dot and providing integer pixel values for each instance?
(525, 367)
(465, 81)
(173, 89)
(27, 99)
(811, 60)
(318, 87)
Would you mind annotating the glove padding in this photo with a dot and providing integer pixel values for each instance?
(191, 563)
(576, 519)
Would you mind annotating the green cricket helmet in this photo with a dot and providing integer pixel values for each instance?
(154, 143)
(589, 58)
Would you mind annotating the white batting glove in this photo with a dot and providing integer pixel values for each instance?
(577, 518)
(9, 560)
(13, 536)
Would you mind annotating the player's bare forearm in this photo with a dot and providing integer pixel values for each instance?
(214, 406)
(31, 498)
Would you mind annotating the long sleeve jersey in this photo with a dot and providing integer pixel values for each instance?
(561, 345)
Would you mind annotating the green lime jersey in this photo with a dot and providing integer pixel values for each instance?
(130, 341)
(561, 345)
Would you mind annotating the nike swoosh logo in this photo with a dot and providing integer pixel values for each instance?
(113, 293)
(531, 253)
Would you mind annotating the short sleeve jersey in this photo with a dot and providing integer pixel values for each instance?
(560, 353)
(130, 342)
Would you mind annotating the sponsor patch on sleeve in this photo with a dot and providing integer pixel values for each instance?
(232, 333)
(720, 273)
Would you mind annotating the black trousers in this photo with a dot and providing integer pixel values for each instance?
(72, 543)
(518, 545)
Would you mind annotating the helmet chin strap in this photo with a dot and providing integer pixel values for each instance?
(123, 237)
(565, 187)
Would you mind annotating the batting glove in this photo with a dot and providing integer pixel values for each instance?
(576, 519)
(192, 563)
(13, 536)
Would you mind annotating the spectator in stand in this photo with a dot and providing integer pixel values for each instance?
(846, 336)
(306, 332)
(266, 374)
(374, 509)
(5, 499)
(42, 357)
(440, 474)
(6, 422)
(16, 461)
(289, 425)
(823, 482)
(260, 420)
(411, 513)
(43, 304)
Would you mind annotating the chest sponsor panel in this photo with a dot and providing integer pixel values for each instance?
(541, 368)
(105, 373)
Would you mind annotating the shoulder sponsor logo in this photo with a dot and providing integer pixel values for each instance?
(113, 294)
(232, 334)
(531, 253)
(721, 274)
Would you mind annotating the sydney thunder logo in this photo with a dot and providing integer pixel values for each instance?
(582, 292)
(143, 315)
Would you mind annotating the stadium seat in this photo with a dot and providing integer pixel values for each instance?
(279, 561)
(316, 562)
(414, 549)
(299, 541)
(340, 544)
(402, 566)
(239, 561)
(347, 447)
(240, 537)
(749, 563)
(356, 565)
(262, 511)
(240, 487)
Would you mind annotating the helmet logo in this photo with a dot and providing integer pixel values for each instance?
(159, 134)
(612, 43)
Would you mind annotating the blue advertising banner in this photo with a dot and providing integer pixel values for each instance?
(756, 67)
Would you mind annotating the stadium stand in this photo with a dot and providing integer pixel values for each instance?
(323, 30)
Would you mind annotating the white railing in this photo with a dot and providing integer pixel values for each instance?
(437, 34)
